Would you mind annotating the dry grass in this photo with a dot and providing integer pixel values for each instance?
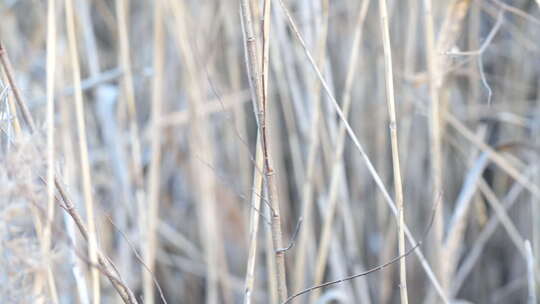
(224, 152)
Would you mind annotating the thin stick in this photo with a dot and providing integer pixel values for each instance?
(254, 225)
(259, 87)
(83, 148)
(51, 65)
(6, 64)
(517, 12)
(398, 188)
(360, 149)
(154, 177)
(269, 171)
(486, 43)
(125, 293)
(376, 268)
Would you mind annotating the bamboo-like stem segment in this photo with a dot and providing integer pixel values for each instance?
(258, 75)
(398, 187)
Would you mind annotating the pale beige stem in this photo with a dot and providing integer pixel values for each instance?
(83, 149)
(398, 188)
(155, 162)
(51, 66)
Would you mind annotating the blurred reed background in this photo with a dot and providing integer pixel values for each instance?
(171, 150)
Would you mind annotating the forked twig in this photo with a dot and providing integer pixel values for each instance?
(293, 237)
(376, 268)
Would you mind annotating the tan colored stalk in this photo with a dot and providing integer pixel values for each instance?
(268, 162)
(155, 162)
(68, 176)
(8, 70)
(258, 74)
(435, 138)
(83, 149)
(254, 224)
(398, 188)
(359, 147)
(51, 65)
(105, 264)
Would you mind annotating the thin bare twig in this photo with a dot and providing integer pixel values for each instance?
(374, 269)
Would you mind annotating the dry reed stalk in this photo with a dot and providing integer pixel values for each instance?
(104, 263)
(359, 147)
(271, 186)
(51, 73)
(334, 156)
(448, 36)
(40, 278)
(435, 136)
(106, 266)
(362, 231)
(398, 187)
(68, 174)
(306, 233)
(315, 123)
(270, 258)
(8, 70)
(258, 81)
(152, 216)
(254, 225)
(83, 150)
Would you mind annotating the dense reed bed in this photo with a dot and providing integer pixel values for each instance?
(286, 151)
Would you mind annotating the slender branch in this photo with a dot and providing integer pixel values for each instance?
(374, 269)
(398, 187)
(8, 69)
(258, 75)
(125, 293)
